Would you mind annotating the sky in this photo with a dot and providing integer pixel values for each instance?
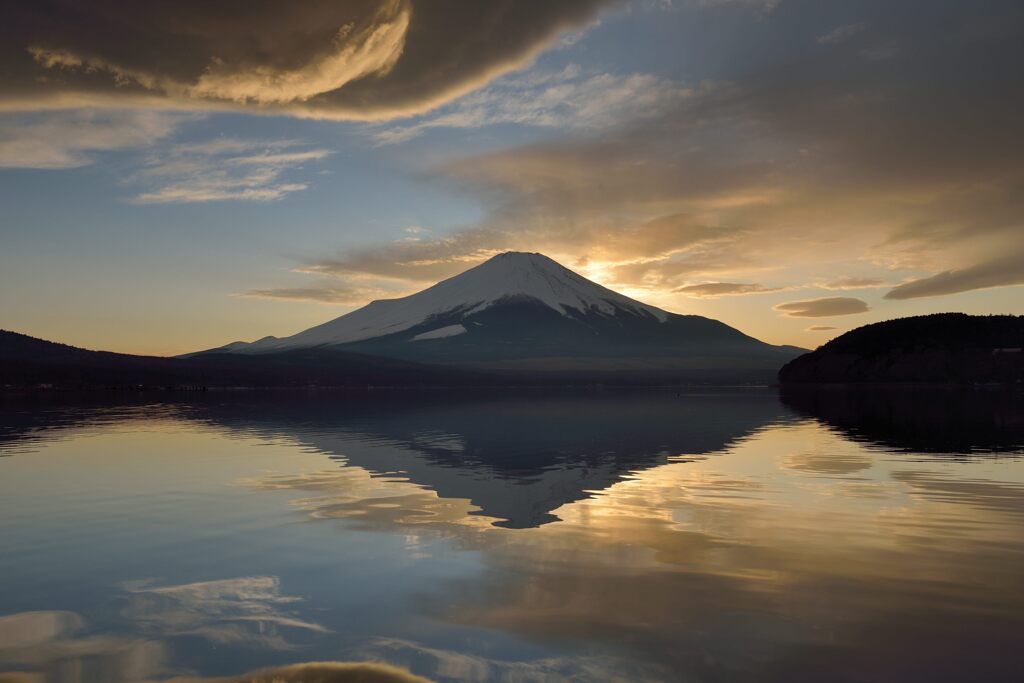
(178, 175)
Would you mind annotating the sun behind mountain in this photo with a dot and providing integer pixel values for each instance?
(525, 311)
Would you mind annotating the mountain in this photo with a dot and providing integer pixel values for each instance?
(523, 312)
(943, 347)
(27, 361)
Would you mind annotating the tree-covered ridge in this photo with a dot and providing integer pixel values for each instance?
(943, 347)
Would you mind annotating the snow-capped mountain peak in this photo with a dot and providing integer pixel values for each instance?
(507, 276)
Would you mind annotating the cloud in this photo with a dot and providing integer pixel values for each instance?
(853, 283)
(841, 34)
(716, 289)
(426, 260)
(226, 169)
(349, 294)
(363, 59)
(822, 308)
(564, 99)
(1000, 272)
(764, 6)
(794, 162)
(73, 139)
(355, 52)
(820, 328)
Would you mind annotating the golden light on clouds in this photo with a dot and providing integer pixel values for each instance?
(373, 49)
(861, 149)
(360, 60)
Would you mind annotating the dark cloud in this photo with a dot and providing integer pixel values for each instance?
(364, 59)
(999, 272)
(820, 328)
(822, 308)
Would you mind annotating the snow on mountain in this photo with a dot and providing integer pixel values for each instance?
(511, 275)
(441, 332)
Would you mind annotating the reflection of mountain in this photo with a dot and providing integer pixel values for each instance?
(936, 420)
(518, 458)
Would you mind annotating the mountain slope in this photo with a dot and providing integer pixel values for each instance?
(522, 311)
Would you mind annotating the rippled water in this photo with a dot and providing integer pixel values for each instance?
(700, 536)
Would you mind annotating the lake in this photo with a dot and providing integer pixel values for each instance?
(700, 535)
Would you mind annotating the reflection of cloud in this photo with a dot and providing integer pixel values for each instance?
(21, 677)
(822, 308)
(827, 463)
(317, 672)
(684, 562)
(49, 643)
(450, 665)
(1000, 497)
(703, 568)
(27, 629)
(245, 610)
(376, 503)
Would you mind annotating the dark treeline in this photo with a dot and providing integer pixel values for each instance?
(944, 347)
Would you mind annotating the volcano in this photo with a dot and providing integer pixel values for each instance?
(524, 312)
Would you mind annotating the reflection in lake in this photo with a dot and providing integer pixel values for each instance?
(919, 418)
(713, 536)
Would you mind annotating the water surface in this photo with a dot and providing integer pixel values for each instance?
(727, 535)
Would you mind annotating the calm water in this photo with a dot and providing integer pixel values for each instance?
(703, 536)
